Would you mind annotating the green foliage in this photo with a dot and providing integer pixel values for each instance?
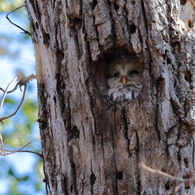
(23, 124)
(10, 5)
(9, 101)
(29, 109)
(19, 179)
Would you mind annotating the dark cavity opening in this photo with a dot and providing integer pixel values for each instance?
(183, 2)
(119, 175)
(132, 28)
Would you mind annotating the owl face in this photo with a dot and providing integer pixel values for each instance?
(124, 79)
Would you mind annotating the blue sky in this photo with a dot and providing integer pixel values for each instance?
(23, 50)
(21, 58)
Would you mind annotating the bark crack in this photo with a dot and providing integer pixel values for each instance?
(138, 175)
(73, 174)
(92, 181)
(157, 121)
(125, 129)
(193, 152)
(145, 23)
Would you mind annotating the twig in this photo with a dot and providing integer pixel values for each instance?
(4, 152)
(1, 144)
(163, 173)
(40, 155)
(25, 32)
(5, 92)
(22, 80)
(3, 118)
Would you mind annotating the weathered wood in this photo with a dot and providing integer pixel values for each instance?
(91, 145)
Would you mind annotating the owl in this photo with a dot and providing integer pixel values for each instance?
(124, 79)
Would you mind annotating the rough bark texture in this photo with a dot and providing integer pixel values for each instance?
(94, 146)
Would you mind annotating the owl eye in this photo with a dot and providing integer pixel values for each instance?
(116, 74)
(135, 72)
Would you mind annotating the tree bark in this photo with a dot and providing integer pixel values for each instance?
(90, 144)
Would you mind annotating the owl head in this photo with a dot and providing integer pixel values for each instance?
(124, 79)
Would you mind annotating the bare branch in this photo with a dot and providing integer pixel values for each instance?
(4, 152)
(40, 155)
(6, 90)
(163, 173)
(22, 81)
(25, 32)
(3, 118)
(1, 144)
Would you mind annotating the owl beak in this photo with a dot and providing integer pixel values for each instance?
(124, 80)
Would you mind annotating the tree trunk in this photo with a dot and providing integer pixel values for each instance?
(92, 145)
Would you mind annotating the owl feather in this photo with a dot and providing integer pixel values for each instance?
(124, 79)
